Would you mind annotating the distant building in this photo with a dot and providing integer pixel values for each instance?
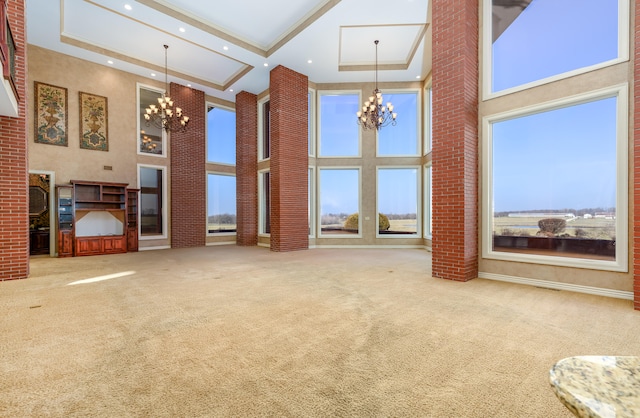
(587, 216)
(542, 215)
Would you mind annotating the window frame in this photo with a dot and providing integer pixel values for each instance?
(418, 233)
(427, 232)
(140, 126)
(620, 264)
(165, 221)
(427, 116)
(319, 203)
(312, 122)
(218, 234)
(208, 106)
(419, 146)
(487, 53)
(261, 121)
(319, 95)
(261, 204)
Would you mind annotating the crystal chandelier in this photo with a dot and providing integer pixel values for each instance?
(163, 115)
(374, 114)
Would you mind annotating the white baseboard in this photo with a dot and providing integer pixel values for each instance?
(619, 294)
(213, 244)
(162, 247)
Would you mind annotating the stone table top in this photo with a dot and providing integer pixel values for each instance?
(598, 386)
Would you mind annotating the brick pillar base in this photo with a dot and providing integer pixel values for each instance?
(247, 169)
(289, 160)
(14, 172)
(635, 241)
(455, 139)
(188, 182)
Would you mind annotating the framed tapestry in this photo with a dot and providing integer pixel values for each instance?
(51, 125)
(93, 122)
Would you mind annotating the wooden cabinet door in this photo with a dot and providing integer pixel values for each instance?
(65, 244)
(132, 239)
(88, 246)
(114, 245)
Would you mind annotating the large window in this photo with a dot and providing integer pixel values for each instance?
(398, 201)
(221, 203)
(264, 195)
(221, 135)
(152, 201)
(311, 109)
(535, 40)
(339, 201)
(264, 129)
(151, 139)
(339, 131)
(557, 183)
(402, 139)
(427, 202)
(428, 127)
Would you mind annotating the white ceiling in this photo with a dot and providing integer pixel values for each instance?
(226, 44)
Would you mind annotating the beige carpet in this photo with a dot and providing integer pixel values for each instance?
(229, 331)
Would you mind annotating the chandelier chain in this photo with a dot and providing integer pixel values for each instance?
(374, 114)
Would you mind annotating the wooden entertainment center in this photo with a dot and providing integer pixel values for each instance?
(96, 218)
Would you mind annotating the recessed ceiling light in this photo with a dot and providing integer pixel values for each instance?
(183, 30)
(226, 48)
(231, 90)
(109, 62)
(418, 77)
(188, 85)
(153, 74)
(266, 64)
(309, 61)
(128, 6)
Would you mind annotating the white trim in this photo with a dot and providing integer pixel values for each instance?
(599, 291)
(208, 106)
(165, 215)
(261, 103)
(319, 203)
(217, 234)
(418, 93)
(139, 126)
(321, 93)
(215, 244)
(487, 58)
(262, 244)
(373, 247)
(621, 261)
(418, 233)
(159, 247)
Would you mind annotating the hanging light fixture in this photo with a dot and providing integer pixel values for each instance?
(374, 114)
(163, 115)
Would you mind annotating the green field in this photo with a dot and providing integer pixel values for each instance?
(594, 228)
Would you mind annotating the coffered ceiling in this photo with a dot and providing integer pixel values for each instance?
(224, 47)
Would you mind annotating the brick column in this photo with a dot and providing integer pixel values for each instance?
(246, 169)
(289, 160)
(188, 179)
(455, 139)
(14, 173)
(636, 160)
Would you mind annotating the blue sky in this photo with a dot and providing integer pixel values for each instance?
(564, 158)
(555, 36)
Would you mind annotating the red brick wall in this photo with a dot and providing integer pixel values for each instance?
(636, 160)
(289, 160)
(14, 177)
(455, 139)
(247, 168)
(188, 171)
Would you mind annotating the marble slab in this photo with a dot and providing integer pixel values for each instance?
(598, 386)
